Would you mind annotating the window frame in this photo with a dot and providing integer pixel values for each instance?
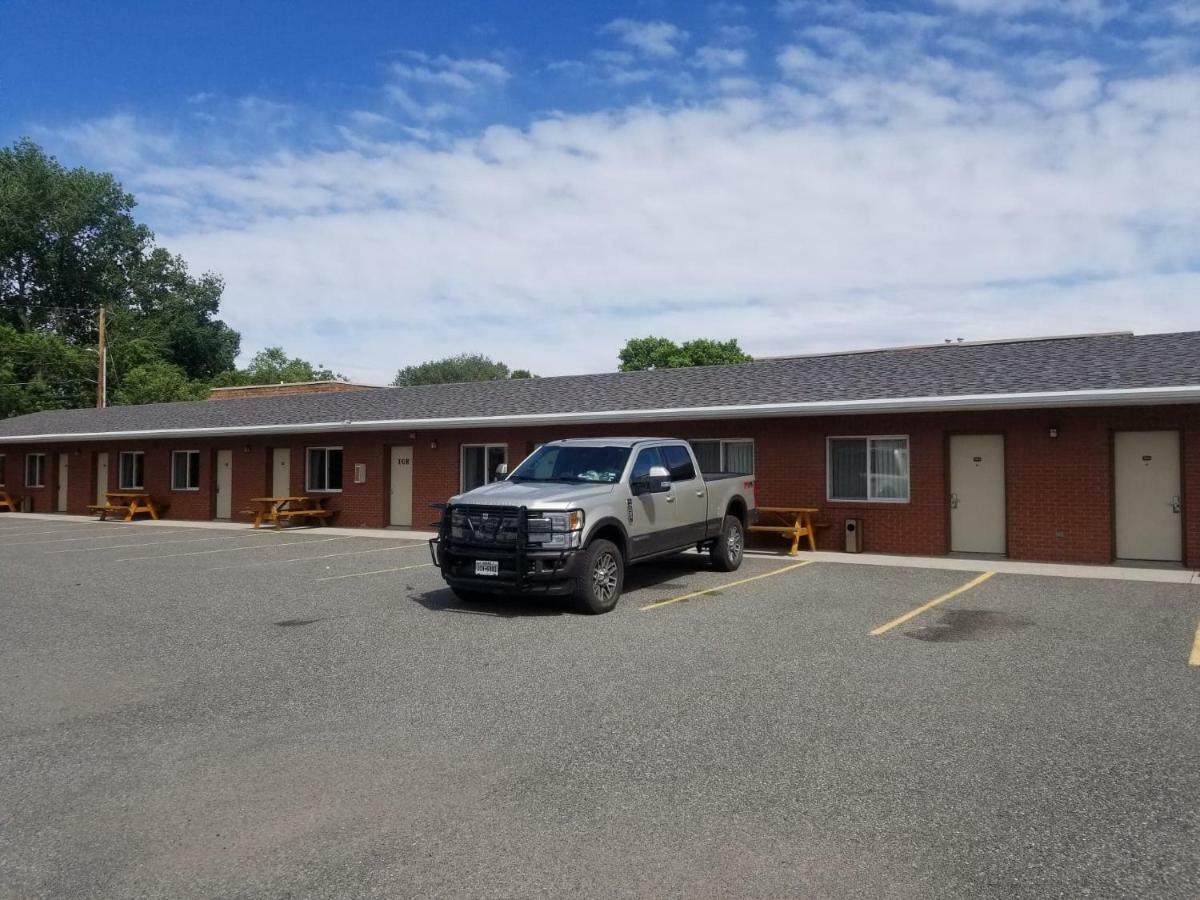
(722, 442)
(121, 485)
(308, 470)
(41, 481)
(3, 469)
(868, 438)
(462, 464)
(188, 453)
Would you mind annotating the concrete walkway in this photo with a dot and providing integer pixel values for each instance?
(1164, 575)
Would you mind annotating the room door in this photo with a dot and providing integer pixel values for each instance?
(101, 478)
(400, 512)
(281, 472)
(60, 499)
(224, 484)
(977, 517)
(1149, 498)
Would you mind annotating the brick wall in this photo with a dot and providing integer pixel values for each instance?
(1059, 490)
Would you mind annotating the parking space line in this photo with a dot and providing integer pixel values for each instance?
(721, 587)
(64, 529)
(1194, 659)
(70, 540)
(376, 572)
(151, 543)
(233, 549)
(913, 613)
(276, 562)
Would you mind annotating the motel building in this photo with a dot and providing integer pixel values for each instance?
(1075, 449)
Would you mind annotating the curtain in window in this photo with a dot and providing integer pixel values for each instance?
(473, 462)
(848, 469)
(708, 455)
(179, 477)
(889, 469)
(739, 456)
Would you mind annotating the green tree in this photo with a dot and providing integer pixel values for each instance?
(273, 366)
(158, 382)
(41, 371)
(456, 369)
(662, 353)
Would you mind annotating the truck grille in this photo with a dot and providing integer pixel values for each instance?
(484, 526)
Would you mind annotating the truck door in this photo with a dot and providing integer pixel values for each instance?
(691, 495)
(651, 516)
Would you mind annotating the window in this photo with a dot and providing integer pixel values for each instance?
(185, 470)
(35, 470)
(2, 481)
(868, 468)
(324, 472)
(132, 470)
(646, 460)
(479, 464)
(558, 462)
(679, 464)
(724, 456)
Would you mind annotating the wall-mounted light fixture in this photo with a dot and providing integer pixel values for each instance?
(1053, 432)
(433, 444)
(246, 448)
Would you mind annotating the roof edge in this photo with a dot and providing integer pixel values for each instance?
(960, 402)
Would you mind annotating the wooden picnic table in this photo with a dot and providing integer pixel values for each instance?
(131, 503)
(793, 522)
(9, 501)
(278, 510)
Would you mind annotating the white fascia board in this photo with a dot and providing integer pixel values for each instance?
(963, 402)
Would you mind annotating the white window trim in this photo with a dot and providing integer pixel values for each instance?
(829, 439)
(462, 462)
(41, 470)
(121, 471)
(723, 442)
(174, 487)
(308, 470)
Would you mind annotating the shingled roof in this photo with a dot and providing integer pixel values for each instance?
(1069, 371)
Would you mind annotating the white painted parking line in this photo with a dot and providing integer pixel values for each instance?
(230, 549)
(68, 529)
(108, 547)
(72, 540)
(427, 565)
(278, 562)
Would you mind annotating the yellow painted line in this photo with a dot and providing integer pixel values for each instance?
(276, 562)
(1194, 659)
(232, 549)
(721, 587)
(913, 613)
(427, 565)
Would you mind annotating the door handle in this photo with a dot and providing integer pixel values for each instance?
(1176, 505)
(670, 499)
(954, 501)
(699, 493)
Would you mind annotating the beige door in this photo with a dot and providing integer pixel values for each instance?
(61, 497)
(281, 472)
(224, 484)
(101, 478)
(977, 519)
(401, 487)
(1148, 495)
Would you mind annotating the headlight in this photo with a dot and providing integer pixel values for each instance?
(556, 530)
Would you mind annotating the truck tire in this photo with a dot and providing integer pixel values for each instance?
(727, 552)
(601, 576)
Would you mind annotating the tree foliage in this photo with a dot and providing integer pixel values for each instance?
(456, 369)
(662, 353)
(274, 366)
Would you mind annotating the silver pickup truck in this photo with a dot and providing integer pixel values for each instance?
(575, 513)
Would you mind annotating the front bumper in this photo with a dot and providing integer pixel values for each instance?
(521, 571)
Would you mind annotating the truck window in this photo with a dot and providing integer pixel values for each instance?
(646, 460)
(679, 463)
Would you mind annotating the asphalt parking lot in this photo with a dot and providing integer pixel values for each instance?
(196, 712)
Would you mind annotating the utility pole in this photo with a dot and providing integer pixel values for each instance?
(102, 367)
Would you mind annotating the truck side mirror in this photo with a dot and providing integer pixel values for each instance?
(502, 469)
(660, 480)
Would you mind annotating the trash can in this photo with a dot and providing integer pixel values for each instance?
(854, 536)
(26, 504)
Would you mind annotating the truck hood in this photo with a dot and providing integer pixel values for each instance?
(546, 495)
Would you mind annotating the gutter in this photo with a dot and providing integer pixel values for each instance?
(1157, 396)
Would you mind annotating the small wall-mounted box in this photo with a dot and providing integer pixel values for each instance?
(360, 473)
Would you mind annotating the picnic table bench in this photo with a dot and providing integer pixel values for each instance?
(8, 501)
(131, 503)
(278, 510)
(793, 522)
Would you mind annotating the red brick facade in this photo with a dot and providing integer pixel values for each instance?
(1059, 489)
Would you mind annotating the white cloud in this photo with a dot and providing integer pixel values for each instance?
(120, 141)
(1095, 12)
(1185, 12)
(658, 40)
(716, 59)
(433, 88)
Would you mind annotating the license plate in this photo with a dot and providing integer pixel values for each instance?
(487, 567)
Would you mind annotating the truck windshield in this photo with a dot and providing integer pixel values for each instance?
(558, 462)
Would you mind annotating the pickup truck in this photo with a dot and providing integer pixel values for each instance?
(570, 518)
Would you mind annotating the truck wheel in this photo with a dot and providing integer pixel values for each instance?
(727, 551)
(601, 575)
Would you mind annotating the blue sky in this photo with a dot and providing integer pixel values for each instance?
(384, 183)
